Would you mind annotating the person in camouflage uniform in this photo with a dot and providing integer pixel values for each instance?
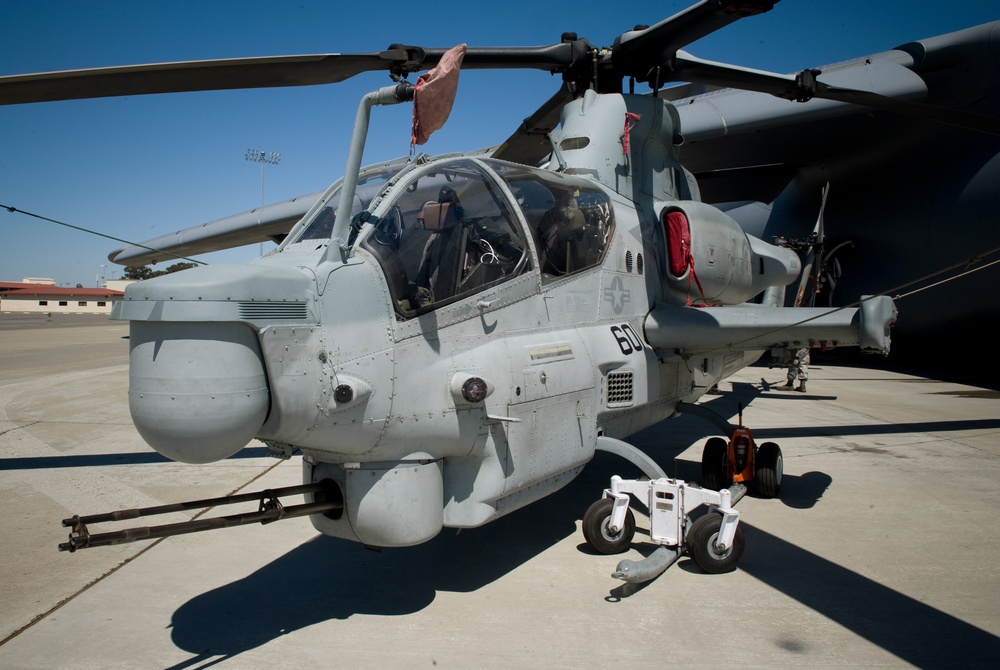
(798, 367)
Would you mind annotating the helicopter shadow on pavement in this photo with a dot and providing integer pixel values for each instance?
(902, 625)
(103, 460)
(327, 578)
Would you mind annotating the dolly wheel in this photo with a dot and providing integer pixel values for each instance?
(701, 545)
(597, 534)
(715, 464)
(768, 466)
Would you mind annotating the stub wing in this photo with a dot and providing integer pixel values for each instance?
(750, 327)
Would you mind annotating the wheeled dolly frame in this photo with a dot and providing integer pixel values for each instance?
(714, 540)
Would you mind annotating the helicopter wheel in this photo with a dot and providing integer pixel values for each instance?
(768, 466)
(715, 464)
(701, 545)
(598, 535)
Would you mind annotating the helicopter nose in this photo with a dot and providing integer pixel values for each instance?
(197, 391)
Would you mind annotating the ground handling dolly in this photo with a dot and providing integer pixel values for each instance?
(714, 540)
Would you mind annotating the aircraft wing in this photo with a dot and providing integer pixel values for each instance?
(263, 224)
(691, 331)
(736, 141)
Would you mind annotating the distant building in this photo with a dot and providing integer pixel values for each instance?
(38, 295)
(118, 284)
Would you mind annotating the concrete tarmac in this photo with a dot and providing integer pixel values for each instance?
(880, 551)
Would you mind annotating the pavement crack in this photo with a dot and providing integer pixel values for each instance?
(16, 428)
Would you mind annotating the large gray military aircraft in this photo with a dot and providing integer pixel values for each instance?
(448, 339)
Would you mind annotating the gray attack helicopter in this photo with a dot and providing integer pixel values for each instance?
(446, 340)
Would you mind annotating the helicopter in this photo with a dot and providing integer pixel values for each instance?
(448, 339)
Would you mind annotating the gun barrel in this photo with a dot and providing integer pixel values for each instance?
(270, 509)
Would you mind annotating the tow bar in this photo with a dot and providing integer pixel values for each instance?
(714, 539)
(269, 509)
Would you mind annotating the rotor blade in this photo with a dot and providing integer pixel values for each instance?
(636, 53)
(821, 219)
(813, 265)
(689, 68)
(804, 86)
(639, 53)
(919, 110)
(530, 143)
(265, 72)
(189, 76)
(551, 57)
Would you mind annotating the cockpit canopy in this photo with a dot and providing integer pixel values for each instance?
(370, 183)
(454, 227)
(570, 218)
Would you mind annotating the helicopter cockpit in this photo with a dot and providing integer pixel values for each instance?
(452, 231)
(570, 217)
(449, 229)
(448, 232)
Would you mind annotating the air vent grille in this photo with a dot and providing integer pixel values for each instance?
(638, 263)
(256, 311)
(628, 261)
(618, 388)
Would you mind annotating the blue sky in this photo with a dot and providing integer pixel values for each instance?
(144, 166)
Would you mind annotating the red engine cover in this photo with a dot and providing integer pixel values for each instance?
(678, 242)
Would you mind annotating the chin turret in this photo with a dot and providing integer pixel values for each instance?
(197, 391)
(198, 383)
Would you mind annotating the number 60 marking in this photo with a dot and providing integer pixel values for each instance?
(628, 340)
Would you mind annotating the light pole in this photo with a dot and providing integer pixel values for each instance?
(264, 158)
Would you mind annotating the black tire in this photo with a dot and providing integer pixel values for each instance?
(702, 549)
(595, 528)
(768, 468)
(715, 464)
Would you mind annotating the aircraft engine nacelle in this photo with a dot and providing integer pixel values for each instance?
(197, 391)
(711, 260)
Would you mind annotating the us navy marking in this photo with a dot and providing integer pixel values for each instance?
(617, 295)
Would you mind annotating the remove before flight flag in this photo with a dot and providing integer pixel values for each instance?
(434, 95)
